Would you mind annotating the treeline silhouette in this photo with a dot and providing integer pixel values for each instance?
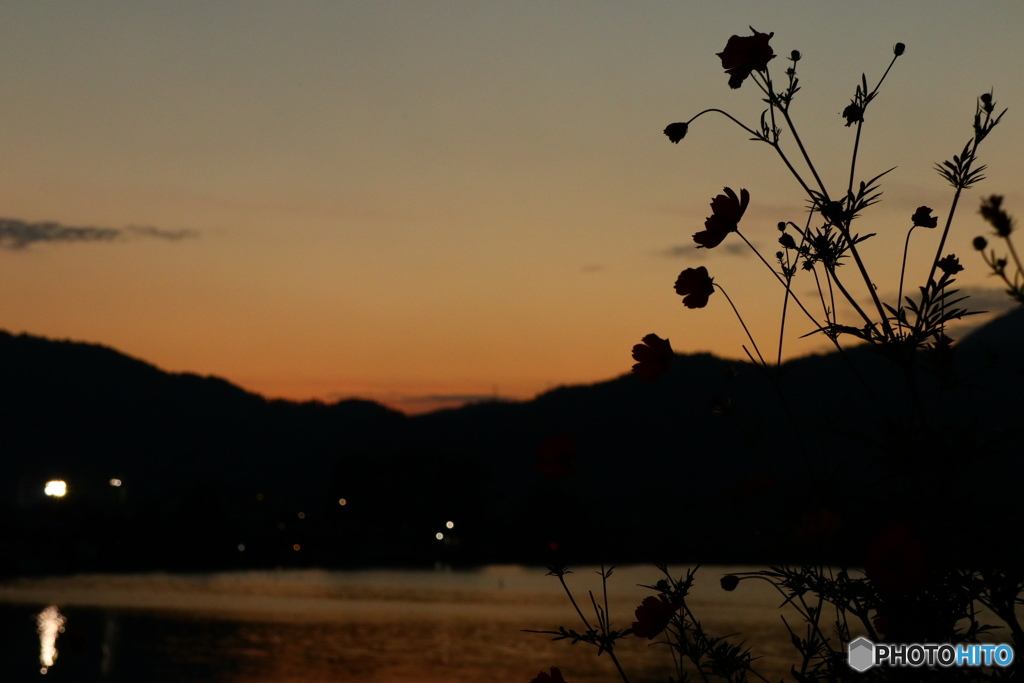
(212, 476)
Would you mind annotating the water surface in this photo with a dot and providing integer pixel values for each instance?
(382, 626)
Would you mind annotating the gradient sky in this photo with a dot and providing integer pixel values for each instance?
(420, 201)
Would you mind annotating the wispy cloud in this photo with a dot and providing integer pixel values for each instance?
(691, 251)
(17, 234)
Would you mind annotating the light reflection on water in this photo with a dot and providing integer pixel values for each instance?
(49, 623)
(371, 627)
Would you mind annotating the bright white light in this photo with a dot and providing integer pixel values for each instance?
(56, 488)
(450, 525)
(439, 535)
(49, 623)
(115, 482)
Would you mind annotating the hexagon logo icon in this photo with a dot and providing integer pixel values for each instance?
(861, 654)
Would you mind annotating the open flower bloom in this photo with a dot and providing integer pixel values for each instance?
(923, 218)
(554, 677)
(726, 211)
(950, 265)
(744, 54)
(652, 616)
(653, 357)
(695, 286)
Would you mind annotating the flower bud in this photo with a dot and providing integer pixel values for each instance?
(730, 582)
(980, 243)
(898, 49)
(795, 55)
(853, 114)
(676, 131)
(782, 226)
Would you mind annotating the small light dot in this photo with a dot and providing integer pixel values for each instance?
(296, 547)
(302, 515)
(439, 535)
(450, 525)
(56, 488)
(259, 496)
(241, 547)
(115, 482)
(342, 502)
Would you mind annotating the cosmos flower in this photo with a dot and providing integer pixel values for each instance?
(694, 285)
(554, 677)
(652, 616)
(744, 54)
(726, 211)
(950, 265)
(923, 217)
(653, 357)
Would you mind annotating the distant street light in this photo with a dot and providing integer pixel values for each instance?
(56, 488)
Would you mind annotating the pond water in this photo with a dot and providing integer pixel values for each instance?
(381, 626)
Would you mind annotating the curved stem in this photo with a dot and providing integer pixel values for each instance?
(725, 114)
(745, 328)
(809, 315)
(903, 270)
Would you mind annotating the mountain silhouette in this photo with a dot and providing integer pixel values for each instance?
(701, 465)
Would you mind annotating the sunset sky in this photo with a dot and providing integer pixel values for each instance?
(425, 202)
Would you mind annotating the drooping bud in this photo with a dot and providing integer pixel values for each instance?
(898, 49)
(676, 131)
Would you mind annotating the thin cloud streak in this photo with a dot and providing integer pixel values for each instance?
(16, 234)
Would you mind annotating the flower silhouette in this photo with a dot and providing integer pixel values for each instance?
(992, 211)
(923, 218)
(652, 616)
(726, 211)
(694, 285)
(744, 54)
(950, 265)
(854, 113)
(676, 131)
(653, 357)
(554, 677)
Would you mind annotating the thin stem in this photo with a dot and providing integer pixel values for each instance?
(586, 623)
(903, 270)
(725, 114)
(821, 295)
(745, 329)
(1016, 259)
(845, 230)
(803, 151)
(853, 159)
(942, 241)
(849, 298)
(782, 325)
(809, 315)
